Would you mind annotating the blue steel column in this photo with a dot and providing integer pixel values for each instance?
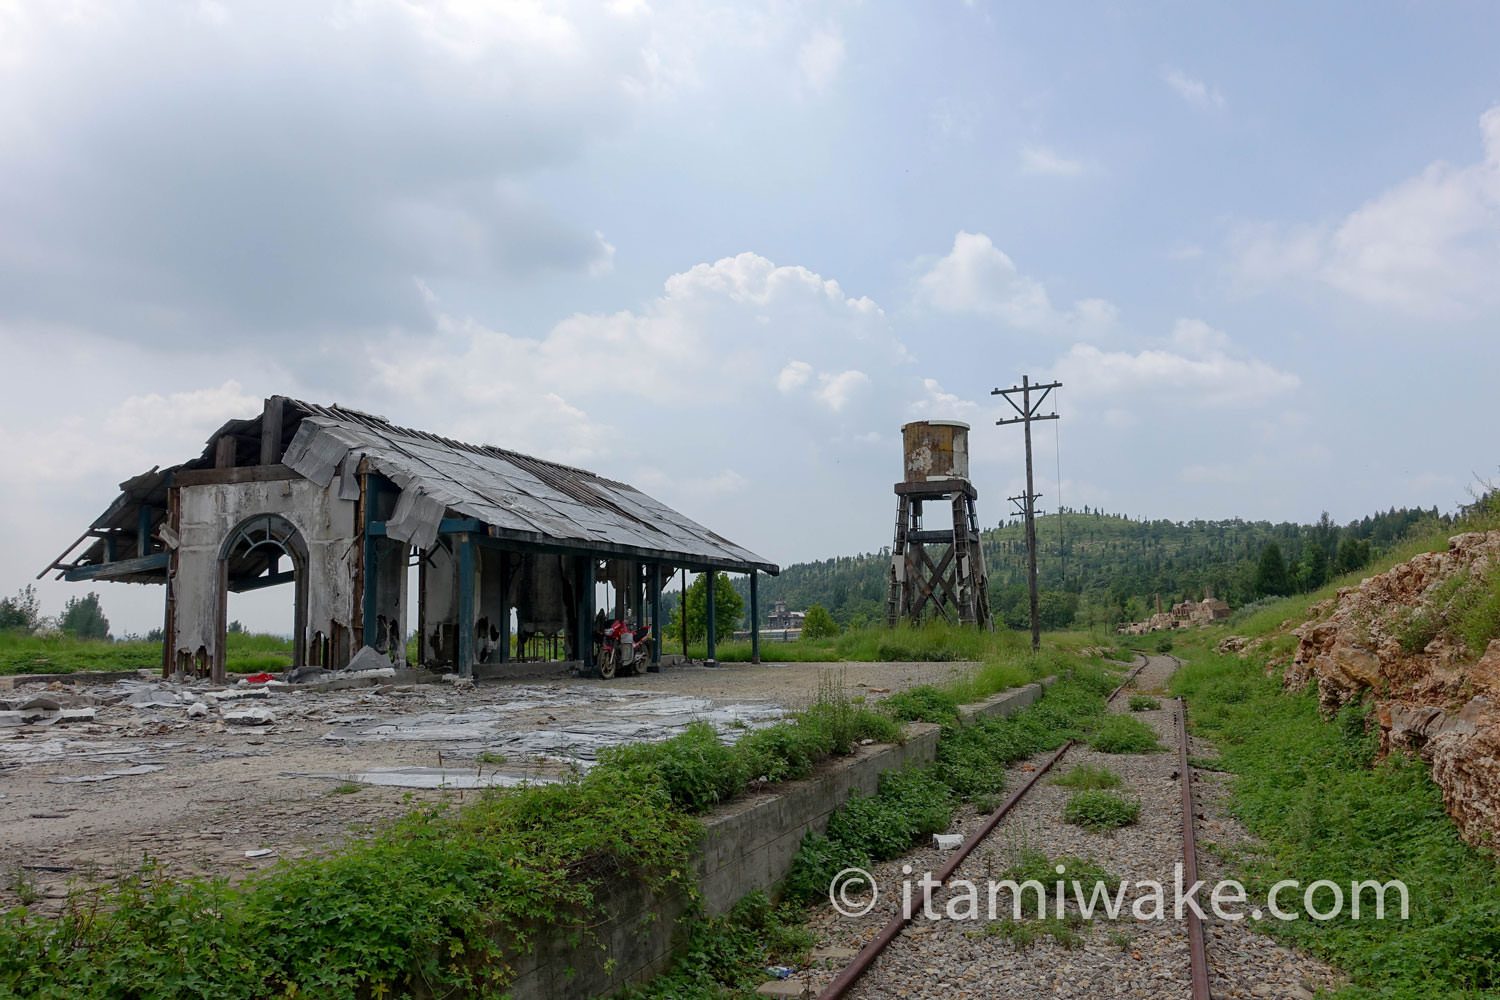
(712, 644)
(656, 614)
(754, 616)
(372, 557)
(465, 604)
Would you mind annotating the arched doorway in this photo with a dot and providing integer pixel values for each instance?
(252, 558)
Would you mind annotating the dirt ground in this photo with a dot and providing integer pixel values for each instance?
(162, 770)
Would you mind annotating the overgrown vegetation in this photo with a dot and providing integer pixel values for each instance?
(1124, 734)
(728, 955)
(1098, 810)
(1307, 789)
(1143, 703)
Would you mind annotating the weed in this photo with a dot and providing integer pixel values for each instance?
(1098, 810)
(345, 788)
(1089, 776)
(1143, 703)
(1124, 734)
(1024, 934)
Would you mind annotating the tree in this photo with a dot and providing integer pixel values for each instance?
(818, 623)
(1353, 554)
(1056, 608)
(1314, 572)
(729, 608)
(22, 613)
(1271, 577)
(82, 618)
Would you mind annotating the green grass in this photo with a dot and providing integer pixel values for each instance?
(1098, 810)
(933, 642)
(1143, 703)
(1088, 776)
(1306, 788)
(247, 653)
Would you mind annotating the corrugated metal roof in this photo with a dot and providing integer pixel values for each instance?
(517, 497)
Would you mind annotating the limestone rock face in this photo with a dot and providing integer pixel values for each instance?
(1441, 702)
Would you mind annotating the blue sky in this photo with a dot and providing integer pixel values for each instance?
(723, 252)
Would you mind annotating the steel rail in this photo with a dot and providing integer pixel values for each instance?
(1197, 946)
(867, 955)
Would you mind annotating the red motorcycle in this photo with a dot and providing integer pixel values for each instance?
(623, 650)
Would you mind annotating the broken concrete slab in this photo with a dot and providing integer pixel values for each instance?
(236, 694)
(197, 710)
(256, 716)
(368, 659)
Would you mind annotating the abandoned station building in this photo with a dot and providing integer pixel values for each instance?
(339, 504)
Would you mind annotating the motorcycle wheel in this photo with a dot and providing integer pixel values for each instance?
(607, 665)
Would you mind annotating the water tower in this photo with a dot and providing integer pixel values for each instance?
(937, 569)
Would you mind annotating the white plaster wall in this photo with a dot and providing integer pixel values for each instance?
(210, 513)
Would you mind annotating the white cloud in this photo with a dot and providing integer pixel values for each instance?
(821, 57)
(1430, 246)
(1194, 91)
(1048, 162)
(793, 376)
(836, 389)
(978, 278)
(1198, 366)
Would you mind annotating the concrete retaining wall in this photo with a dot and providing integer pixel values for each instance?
(748, 844)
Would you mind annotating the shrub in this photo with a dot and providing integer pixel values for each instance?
(1124, 734)
(696, 770)
(1099, 810)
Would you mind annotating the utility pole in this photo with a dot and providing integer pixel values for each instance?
(1027, 411)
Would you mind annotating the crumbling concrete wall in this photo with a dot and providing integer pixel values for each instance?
(748, 844)
(210, 513)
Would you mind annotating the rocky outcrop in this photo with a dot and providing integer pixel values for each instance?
(1441, 701)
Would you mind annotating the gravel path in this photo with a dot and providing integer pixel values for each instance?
(949, 959)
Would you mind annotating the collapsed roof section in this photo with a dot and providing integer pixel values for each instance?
(510, 496)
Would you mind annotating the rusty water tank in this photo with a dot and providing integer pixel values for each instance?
(935, 449)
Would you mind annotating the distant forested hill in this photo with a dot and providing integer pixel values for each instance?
(1095, 567)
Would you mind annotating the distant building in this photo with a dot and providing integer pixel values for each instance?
(1182, 615)
(781, 618)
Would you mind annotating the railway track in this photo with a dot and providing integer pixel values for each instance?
(1196, 974)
